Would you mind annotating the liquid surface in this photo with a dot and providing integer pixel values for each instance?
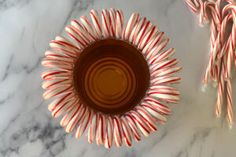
(111, 76)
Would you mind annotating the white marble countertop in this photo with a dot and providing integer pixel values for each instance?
(26, 126)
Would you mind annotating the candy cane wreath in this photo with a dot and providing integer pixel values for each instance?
(103, 128)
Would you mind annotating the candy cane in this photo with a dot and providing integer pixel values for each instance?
(222, 47)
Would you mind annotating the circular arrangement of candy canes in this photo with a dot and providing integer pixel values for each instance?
(221, 15)
(102, 128)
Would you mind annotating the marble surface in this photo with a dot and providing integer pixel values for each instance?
(26, 126)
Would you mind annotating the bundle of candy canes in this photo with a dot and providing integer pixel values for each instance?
(221, 15)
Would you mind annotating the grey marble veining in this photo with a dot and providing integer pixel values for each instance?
(26, 126)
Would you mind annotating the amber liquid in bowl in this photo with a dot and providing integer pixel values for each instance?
(111, 76)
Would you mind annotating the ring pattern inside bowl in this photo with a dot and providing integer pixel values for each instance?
(110, 78)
